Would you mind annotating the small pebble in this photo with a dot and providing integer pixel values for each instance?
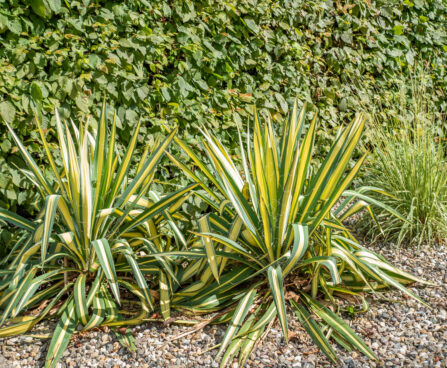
(401, 334)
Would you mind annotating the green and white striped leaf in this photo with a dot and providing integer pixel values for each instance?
(340, 326)
(126, 339)
(204, 227)
(239, 315)
(17, 220)
(314, 331)
(277, 289)
(139, 277)
(50, 212)
(80, 299)
(165, 296)
(300, 244)
(105, 258)
(17, 294)
(62, 334)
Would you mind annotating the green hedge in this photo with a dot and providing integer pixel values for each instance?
(189, 63)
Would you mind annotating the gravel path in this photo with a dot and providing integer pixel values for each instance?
(402, 334)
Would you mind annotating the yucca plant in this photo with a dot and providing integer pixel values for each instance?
(276, 238)
(90, 250)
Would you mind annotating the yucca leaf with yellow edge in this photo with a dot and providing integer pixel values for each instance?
(227, 282)
(15, 297)
(139, 277)
(98, 311)
(300, 244)
(368, 199)
(165, 296)
(231, 351)
(340, 326)
(277, 289)
(266, 318)
(157, 208)
(199, 163)
(105, 258)
(25, 323)
(126, 339)
(31, 287)
(123, 168)
(36, 172)
(239, 315)
(328, 262)
(62, 334)
(164, 262)
(50, 213)
(248, 345)
(208, 245)
(232, 245)
(146, 170)
(314, 331)
(110, 309)
(85, 194)
(99, 168)
(17, 220)
(80, 299)
(239, 341)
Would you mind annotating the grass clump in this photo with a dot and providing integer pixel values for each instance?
(409, 163)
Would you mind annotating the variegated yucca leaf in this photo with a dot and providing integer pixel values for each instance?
(289, 214)
(93, 211)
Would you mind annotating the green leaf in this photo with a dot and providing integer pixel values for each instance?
(340, 326)
(36, 92)
(105, 258)
(7, 111)
(62, 334)
(398, 29)
(204, 227)
(15, 219)
(251, 24)
(314, 331)
(50, 212)
(55, 5)
(277, 288)
(40, 8)
(239, 315)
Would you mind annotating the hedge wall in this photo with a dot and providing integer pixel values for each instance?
(199, 62)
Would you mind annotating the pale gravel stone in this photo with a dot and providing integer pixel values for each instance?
(401, 334)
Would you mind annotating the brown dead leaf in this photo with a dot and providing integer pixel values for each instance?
(291, 295)
(292, 335)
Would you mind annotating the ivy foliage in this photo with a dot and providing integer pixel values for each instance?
(189, 63)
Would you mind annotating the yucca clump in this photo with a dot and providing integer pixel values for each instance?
(273, 240)
(95, 242)
(409, 163)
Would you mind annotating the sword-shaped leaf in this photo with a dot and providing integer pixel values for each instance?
(80, 299)
(239, 315)
(277, 289)
(17, 220)
(105, 258)
(204, 227)
(50, 213)
(314, 331)
(340, 326)
(62, 334)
